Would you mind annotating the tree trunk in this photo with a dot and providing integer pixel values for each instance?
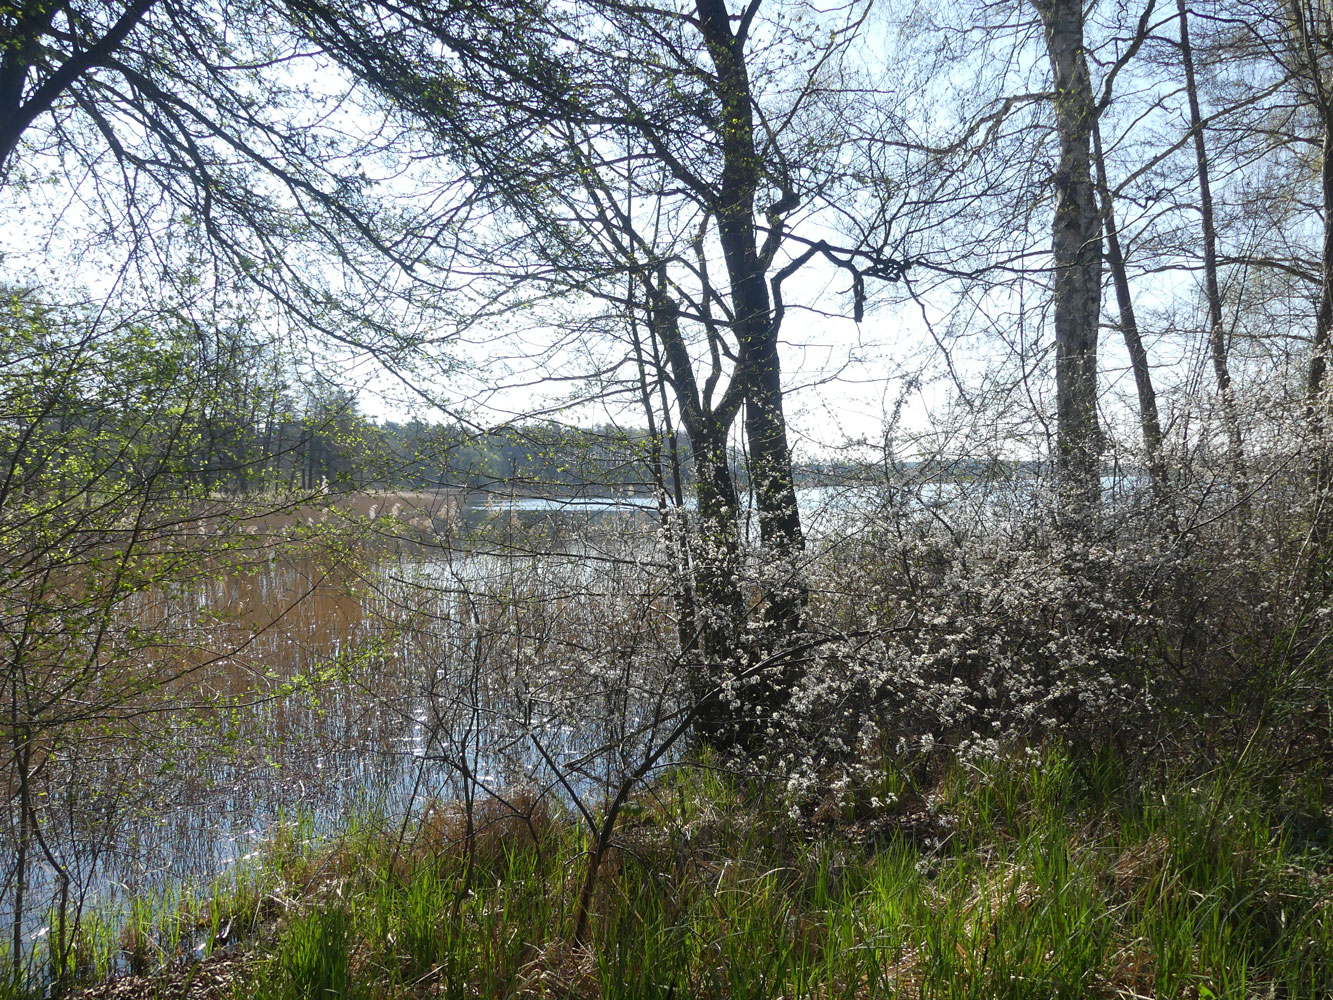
(20, 738)
(1316, 393)
(1129, 329)
(781, 538)
(719, 609)
(668, 514)
(765, 424)
(1076, 252)
(1217, 340)
(780, 531)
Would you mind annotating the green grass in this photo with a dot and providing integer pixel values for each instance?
(1048, 877)
(170, 925)
(1052, 881)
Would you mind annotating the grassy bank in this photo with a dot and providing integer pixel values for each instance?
(1041, 875)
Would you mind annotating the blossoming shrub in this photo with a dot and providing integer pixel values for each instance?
(968, 622)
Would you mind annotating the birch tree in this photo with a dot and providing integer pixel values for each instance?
(1076, 262)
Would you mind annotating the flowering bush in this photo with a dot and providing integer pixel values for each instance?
(972, 625)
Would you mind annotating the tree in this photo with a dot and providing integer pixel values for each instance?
(1021, 137)
(1217, 337)
(1149, 421)
(107, 499)
(1306, 53)
(1264, 189)
(195, 151)
(634, 157)
(1076, 261)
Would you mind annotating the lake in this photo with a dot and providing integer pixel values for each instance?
(513, 642)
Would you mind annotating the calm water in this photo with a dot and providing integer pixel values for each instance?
(323, 687)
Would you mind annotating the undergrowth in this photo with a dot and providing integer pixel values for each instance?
(1042, 874)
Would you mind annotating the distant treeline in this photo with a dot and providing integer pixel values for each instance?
(328, 441)
(84, 404)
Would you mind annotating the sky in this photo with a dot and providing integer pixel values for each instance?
(915, 370)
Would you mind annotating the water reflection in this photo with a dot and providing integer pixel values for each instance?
(375, 681)
(518, 642)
